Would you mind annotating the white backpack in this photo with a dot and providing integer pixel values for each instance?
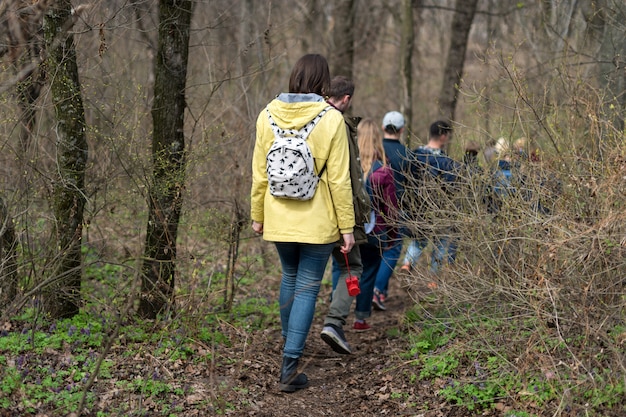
(290, 164)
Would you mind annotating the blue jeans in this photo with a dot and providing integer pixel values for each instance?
(369, 260)
(444, 250)
(303, 269)
(371, 252)
(391, 254)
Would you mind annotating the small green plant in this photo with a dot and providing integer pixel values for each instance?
(607, 390)
(50, 362)
(11, 380)
(474, 395)
(393, 332)
(440, 365)
(397, 395)
(210, 336)
(430, 338)
(512, 413)
(412, 377)
(254, 313)
(151, 387)
(412, 316)
(102, 271)
(539, 390)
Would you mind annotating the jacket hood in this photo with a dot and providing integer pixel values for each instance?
(293, 111)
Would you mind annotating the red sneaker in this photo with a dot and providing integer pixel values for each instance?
(361, 326)
(378, 301)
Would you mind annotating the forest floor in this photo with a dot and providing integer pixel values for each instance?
(372, 381)
(230, 366)
(235, 376)
(161, 369)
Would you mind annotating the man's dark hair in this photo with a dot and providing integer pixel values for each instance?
(440, 127)
(340, 86)
(310, 74)
(391, 129)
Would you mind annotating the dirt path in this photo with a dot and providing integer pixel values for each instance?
(368, 382)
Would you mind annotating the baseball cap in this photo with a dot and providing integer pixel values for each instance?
(394, 119)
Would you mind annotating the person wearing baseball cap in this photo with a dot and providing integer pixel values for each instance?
(393, 121)
(396, 152)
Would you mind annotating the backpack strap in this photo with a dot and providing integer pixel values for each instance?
(376, 165)
(306, 130)
(302, 133)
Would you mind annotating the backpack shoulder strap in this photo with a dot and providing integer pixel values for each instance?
(303, 133)
(306, 130)
(376, 165)
(278, 132)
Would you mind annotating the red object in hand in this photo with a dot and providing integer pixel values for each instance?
(352, 283)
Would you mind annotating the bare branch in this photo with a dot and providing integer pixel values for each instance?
(28, 68)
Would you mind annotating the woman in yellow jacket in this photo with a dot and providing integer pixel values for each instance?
(304, 232)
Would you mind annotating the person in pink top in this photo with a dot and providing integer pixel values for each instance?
(380, 185)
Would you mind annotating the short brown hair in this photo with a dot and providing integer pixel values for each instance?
(439, 128)
(310, 75)
(340, 86)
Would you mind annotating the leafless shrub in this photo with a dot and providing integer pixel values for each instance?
(552, 251)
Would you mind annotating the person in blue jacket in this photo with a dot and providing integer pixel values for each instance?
(430, 167)
(396, 152)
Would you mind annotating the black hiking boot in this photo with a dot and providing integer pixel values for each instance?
(290, 379)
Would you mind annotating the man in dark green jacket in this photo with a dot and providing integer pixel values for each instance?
(340, 97)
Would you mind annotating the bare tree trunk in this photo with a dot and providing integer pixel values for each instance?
(237, 223)
(8, 258)
(612, 74)
(406, 65)
(28, 93)
(62, 297)
(342, 50)
(20, 34)
(30, 87)
(168, 157)
(453, 71)
(605, 40)
(316, 35)
(247, 32)
(490, 29)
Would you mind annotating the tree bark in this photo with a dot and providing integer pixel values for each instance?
(8, 258)
(21, 41)
(604, 39)
(406, 65)
(612, 71)
(342, 50)
(453, 70)
(62, 297)
(28, 91)
(168, 158)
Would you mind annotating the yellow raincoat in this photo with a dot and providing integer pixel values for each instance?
(330, 212)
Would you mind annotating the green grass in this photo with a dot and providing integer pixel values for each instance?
(45, 365)
(477, 371)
